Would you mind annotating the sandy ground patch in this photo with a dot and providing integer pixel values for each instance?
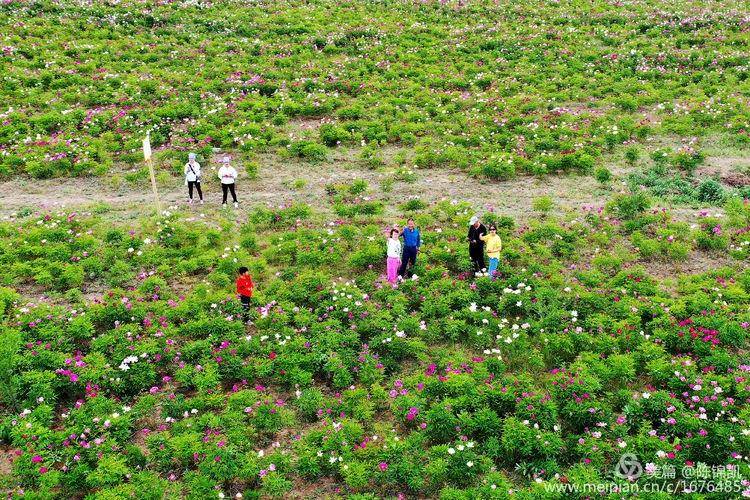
(275, 185)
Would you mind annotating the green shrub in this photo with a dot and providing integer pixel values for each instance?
(332, 135)
(413, 204)
(543, 204)
(632, 154)
(308, 150)
(603, 175)
(711, 191)
(629, 206)
(10, 344)
(499, 169)
(688, 161)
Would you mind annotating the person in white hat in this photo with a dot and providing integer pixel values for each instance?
(476, 245)
(193, 177)
(227, 175)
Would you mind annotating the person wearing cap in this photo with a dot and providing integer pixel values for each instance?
(228, 175)
(476, 244)
(494, 245)
(193, 177)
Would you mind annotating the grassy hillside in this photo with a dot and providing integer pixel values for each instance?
(607, 140)
(490, 88)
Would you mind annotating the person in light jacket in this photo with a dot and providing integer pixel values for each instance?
(494, 245)
(227, 175)
(393, 260)
(193, 177)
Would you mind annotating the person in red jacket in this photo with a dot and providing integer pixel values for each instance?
(245, 291)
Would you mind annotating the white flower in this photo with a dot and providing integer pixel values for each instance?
(451, 451)
(470, 464)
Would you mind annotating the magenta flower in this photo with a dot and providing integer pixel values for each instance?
(383, 466)
(412, 413)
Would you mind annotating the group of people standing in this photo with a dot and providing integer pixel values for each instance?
(401, 255)
(227, 175)
(402, 249)
(479, 238)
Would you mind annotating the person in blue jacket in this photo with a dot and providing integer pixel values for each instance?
(412, 242)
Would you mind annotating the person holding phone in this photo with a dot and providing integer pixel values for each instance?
(193, 177)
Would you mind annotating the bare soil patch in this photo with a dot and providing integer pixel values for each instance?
(731, 170)
(696, 263)
(274, 186)
(6, 461)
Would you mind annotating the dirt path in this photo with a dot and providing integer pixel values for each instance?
(282, 181)
(275, 185)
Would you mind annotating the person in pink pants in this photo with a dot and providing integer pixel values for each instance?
(393, 261)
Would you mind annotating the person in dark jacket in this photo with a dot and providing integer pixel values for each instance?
(476, 245)
(412, 242)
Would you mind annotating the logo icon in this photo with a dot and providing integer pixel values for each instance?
(628, 467)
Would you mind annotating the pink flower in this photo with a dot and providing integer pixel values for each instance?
(412, 413)
(383, 466)
(36, 459)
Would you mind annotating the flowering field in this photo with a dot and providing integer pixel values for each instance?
(495, 89)
(150, 385)
(611, 351)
